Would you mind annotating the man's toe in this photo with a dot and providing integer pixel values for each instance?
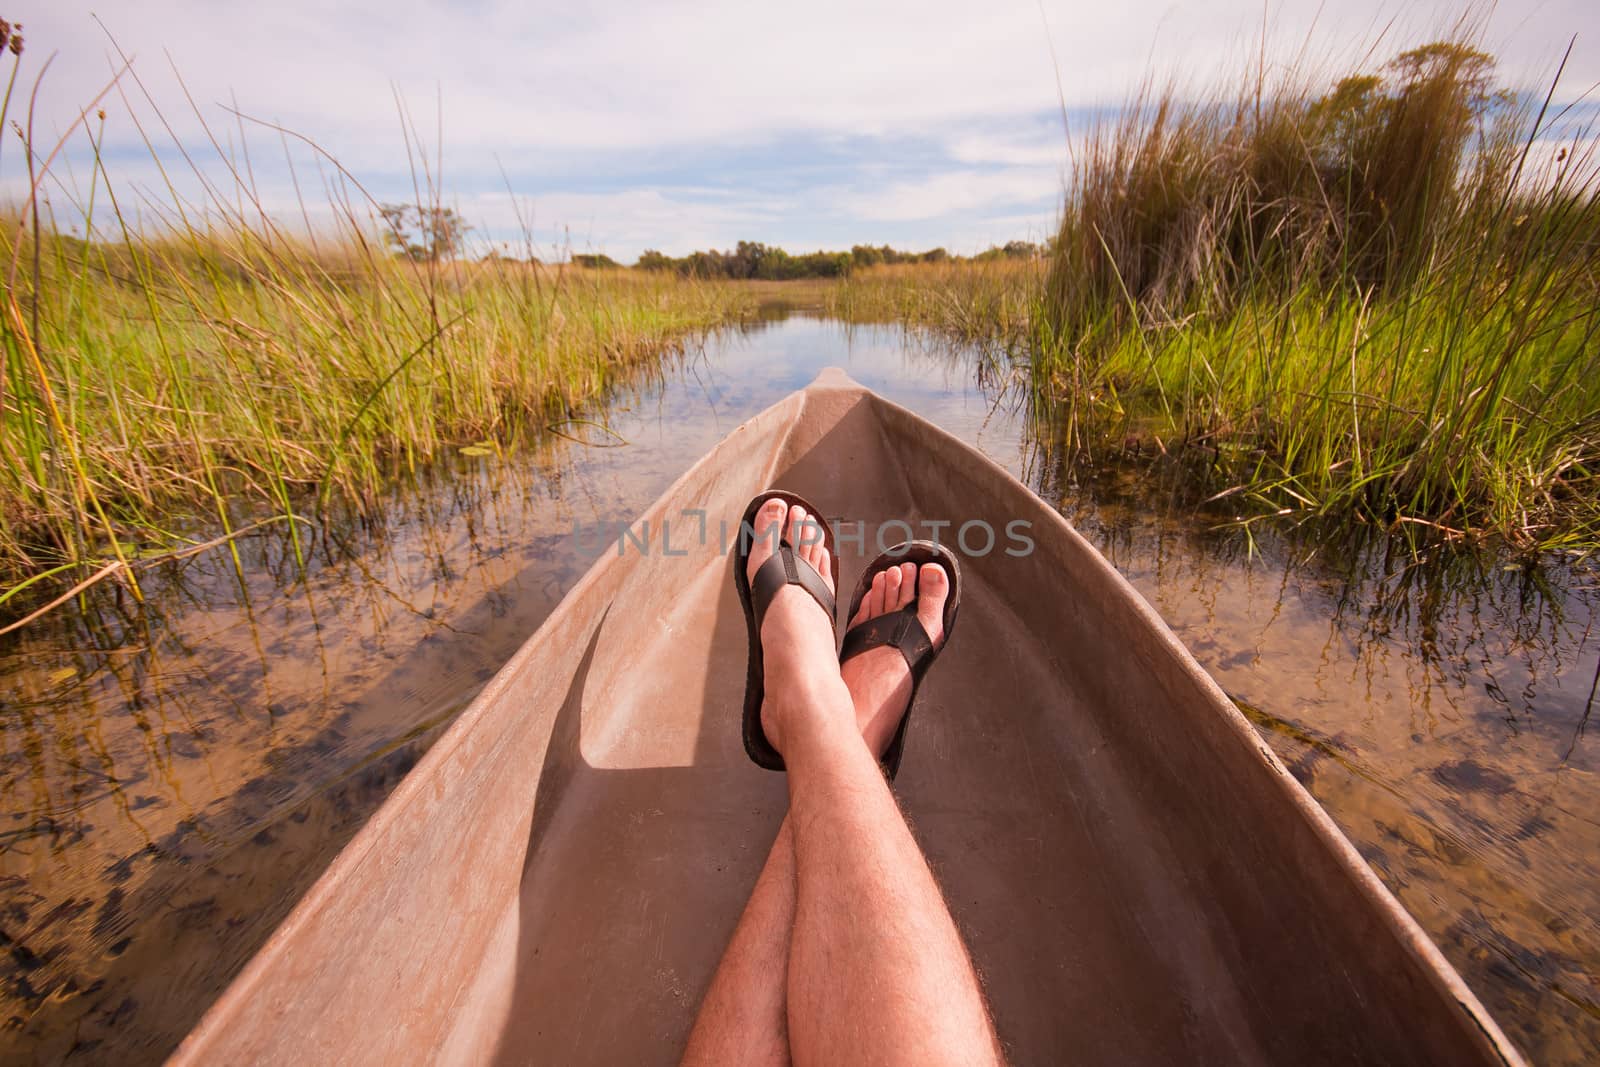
(933, 586)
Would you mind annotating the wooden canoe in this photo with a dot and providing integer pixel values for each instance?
(1139, 878)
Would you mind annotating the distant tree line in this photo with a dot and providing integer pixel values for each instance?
(752, 259)
(429, 234)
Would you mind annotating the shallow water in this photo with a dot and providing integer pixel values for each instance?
(175, 775)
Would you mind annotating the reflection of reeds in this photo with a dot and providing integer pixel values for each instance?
(1374, 302)
(224, 361)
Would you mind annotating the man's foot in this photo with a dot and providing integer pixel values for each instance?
(798, 654)
(878, 679)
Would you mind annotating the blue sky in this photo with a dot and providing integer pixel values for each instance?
(683, 124)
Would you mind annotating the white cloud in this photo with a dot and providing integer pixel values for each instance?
(941, 195)
(1036, 148)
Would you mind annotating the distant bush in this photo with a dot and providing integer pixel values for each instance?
(423, 234)
(883, 255)
(1011, 250)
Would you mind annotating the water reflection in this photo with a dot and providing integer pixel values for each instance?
(176, 774)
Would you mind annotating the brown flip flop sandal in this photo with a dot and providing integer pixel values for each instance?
(755, 595)
(902, 630)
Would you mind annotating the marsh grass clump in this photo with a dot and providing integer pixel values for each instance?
(1179, 207)
(1379, 301)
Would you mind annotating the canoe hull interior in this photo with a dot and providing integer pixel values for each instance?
(1137, 876)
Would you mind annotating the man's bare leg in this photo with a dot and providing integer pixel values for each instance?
(877, 970)
(744, 1015)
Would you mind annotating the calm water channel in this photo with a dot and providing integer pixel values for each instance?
(175, 776)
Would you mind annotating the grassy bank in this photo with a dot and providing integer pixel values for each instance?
(230, 367)
(1377, 301)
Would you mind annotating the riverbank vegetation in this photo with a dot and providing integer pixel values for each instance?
(162, 387)
(1380, 301)
(228, 367)
(1376, 301)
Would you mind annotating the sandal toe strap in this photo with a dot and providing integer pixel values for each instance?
(898, 629)
(785, 568)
